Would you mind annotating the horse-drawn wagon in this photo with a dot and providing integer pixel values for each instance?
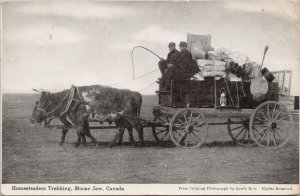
(250, 109)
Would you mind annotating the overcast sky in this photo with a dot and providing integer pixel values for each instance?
(52, 45)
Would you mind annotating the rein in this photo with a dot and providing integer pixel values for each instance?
(71, 94)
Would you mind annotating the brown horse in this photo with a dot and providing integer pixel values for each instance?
(77, 106)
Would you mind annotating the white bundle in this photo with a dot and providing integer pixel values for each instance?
(211, 65)
(203, 62)
(239, 58)
(255, 73)
(213, 74)
(214, 68)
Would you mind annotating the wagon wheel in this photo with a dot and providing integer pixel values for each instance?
(270, 124)
(161, 133)
(239, 132)
(188, 128)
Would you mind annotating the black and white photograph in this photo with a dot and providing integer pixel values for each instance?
(150, 97)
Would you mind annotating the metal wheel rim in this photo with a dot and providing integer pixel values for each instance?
(184, 133)
(268, 131)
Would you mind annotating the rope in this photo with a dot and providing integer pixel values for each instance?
(132, 56)
(147, 86)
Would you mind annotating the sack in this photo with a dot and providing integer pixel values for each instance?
(233, 77)
(239, 58)
(258, 88)
(197, 51)
(199, 77)
(255, 71)
(214, 68)
(203, 62)
(213, 74)
(211, 65)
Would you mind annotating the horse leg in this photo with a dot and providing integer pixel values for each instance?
(117, 136)
(93, 139)
(63, 136)
(131, 138)
(77, 143)
(140, 131)
(83, 139)
(120, 138)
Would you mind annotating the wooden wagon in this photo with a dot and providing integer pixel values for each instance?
(187, 111)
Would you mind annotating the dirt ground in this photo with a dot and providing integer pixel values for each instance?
(32, 155)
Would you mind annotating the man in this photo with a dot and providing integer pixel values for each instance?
(185, 63)
(172, 57)
(183, 68)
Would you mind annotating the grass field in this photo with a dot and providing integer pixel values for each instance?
(32, 155)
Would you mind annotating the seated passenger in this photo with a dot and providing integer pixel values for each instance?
(184, 67)
(172, 57)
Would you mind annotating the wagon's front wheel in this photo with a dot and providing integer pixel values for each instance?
(188, 128)
(270, 124)
(161, 132)
(239, 132)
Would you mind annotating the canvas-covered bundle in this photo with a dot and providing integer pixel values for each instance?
(211, 68)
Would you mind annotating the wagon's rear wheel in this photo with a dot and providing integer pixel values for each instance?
(239, 131)
(270, 124)
(161, 133)
(188, 128)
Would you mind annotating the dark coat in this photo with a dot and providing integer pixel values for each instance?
(185, 63)
(173, 56)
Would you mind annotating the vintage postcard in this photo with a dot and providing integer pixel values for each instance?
(150, 97)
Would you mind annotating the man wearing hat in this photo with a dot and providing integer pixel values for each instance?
(172, 57)
(184, 67)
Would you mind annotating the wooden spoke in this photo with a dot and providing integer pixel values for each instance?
(237, 127)
(175, 131)
(264, 115)
(190, 118)
(274, 137)
(264, 135)
(159, 132)
(274, 109)
(186, 121)
(281, 119)
(259, 119)
(164, 136)
(278, 114)
(277, 132)
(182, 138)
(259, 132)
(268, 111)
(181, 121)
(244, 135)
(268, 141)
(239, 133)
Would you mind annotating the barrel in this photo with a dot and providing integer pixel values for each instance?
(267, 74)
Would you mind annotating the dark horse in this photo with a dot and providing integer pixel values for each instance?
(77, 106)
